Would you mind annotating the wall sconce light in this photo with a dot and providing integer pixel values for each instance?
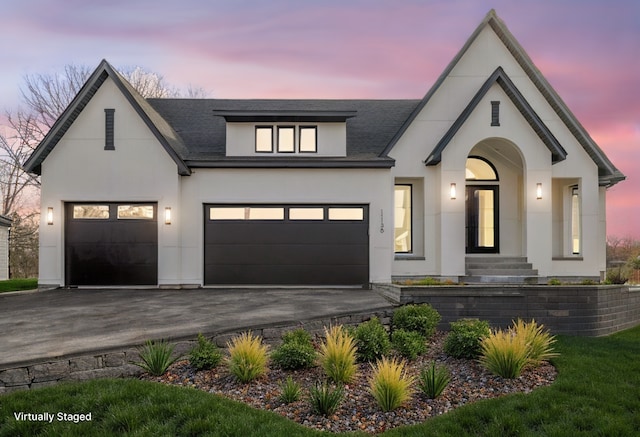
(167, 215)
(49, 215)
(539, 191)
(453, 191)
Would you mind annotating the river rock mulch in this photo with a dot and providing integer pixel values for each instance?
(359, 411)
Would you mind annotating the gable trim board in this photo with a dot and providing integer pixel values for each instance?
(212, 144)
(558, 153)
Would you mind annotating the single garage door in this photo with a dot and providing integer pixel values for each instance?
(286, 244)
(111, 244)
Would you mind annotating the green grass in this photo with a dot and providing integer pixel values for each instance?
(18, 284)
(597, 393)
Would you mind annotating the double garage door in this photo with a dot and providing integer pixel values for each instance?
(117, 244)
(286, 244)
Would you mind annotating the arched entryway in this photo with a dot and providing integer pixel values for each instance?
(494, 222)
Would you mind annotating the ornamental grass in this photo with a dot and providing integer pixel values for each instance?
(539, 341)
(389, 384)
(247, 357)
(338, 354)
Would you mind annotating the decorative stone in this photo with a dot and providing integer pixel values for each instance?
(15, 376)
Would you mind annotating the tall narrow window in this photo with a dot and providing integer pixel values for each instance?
(575, 221)
(286, 139)
(109, 127)
(495, 113)
(264, 139)
(402, 219)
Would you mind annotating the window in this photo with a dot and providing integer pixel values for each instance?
(308, 139)
(402, 219)
(306, 213)
(246, 213)
(286, 139)
(346, 214)
(109, 129)
(479, 169)
(140, 212)
(91, 212)
(575, 221)
(264, 139)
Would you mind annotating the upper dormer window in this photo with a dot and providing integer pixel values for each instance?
(289, 139)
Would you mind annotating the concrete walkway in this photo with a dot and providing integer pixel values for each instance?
(36, 326)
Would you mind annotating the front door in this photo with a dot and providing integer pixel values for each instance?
(482, 233)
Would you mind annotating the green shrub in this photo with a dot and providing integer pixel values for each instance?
(554, 281)
(296, 351)
(418, 318)
(539, 341)
(325, 399)
(291, 391)
(338, 354)
(433, 380)
(504, 353)
(205, 355)
(372, 340)
(389, 384)
(248, 357)
(409, 344)
(463, 341)
(156, 357)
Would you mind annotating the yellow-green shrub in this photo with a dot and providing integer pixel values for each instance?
(504, 353)
(338, 354)
(248, 357)
(389, 384)
(539, 341)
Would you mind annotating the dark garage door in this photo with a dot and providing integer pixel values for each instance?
(111, 244)
(286, 245)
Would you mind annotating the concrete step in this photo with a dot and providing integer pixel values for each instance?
(496, 259)
(502, 272)
(502, 279)
(503, 265)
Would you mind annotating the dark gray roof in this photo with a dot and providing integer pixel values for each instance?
(200, 123)
(5, 221)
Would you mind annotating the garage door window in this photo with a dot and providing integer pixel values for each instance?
(139, 212)
(246, 213)
(91, 212)
(306, 213)
(346, 214)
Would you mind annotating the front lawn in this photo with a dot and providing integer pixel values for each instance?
(18, 284)
(597, 392)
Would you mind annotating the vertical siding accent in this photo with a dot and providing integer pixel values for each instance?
(109, 127)
(495, 113)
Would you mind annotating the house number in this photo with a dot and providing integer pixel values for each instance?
(381, 222)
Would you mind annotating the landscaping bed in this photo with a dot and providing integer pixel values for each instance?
(470, 382)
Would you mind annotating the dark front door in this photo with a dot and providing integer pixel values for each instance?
(111, 244)
(482, 232)
(286, 244)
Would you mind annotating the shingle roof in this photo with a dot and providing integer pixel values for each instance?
(203, 132)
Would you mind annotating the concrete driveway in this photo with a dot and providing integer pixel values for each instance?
(53, 323)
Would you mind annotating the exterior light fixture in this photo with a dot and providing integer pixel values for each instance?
(539, 191)
(453, 190)
(167, 215)
(49, 215)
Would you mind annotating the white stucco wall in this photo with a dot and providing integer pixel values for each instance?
(79, 169)
(4, 252)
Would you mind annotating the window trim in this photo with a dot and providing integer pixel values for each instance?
(410, 251)
(315, 140)
(293, 142)
(257, 128)
(493, 167)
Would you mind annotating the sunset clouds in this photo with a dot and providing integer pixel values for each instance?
(589, 50)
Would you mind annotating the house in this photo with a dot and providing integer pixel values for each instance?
(5, 228)
(489, 175)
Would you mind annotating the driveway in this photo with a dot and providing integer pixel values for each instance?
(53, 323)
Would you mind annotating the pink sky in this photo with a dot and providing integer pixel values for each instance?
(589, 50)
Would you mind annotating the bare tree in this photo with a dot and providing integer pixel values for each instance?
(45, 97)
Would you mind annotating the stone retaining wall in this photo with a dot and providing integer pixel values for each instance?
(117, 363)
(566, 309)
